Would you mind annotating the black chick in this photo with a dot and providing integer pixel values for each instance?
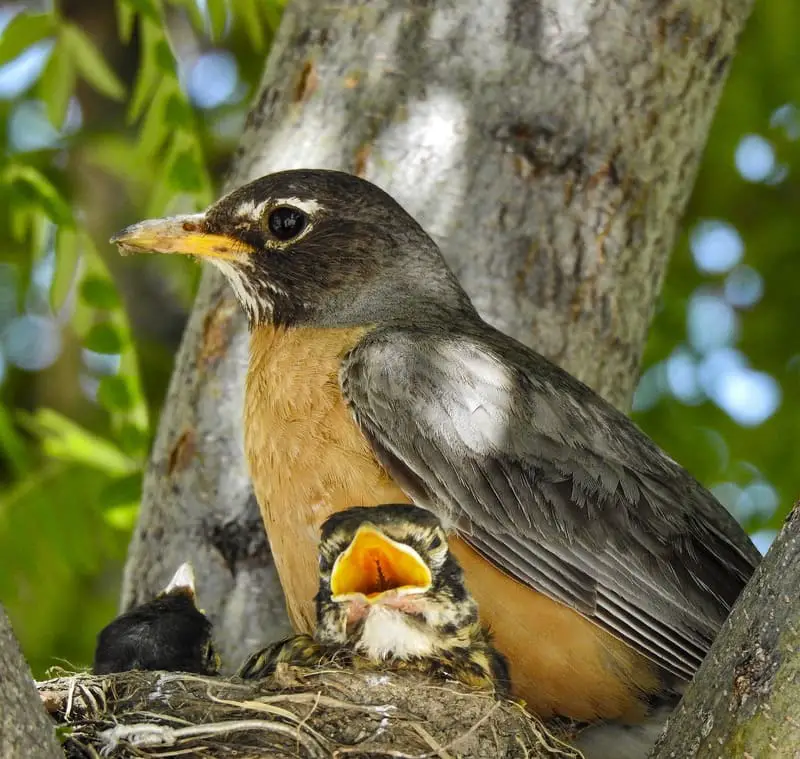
(168, 633)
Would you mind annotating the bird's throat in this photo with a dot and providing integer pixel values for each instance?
(307, 457)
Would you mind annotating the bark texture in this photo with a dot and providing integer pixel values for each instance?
(549, 147)
(25, 729)
(745, 699)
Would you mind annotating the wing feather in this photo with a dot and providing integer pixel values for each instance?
(551, 484)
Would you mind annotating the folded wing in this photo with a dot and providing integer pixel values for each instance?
(552, 485)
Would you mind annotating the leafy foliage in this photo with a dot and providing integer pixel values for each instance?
(70, 479)
(748, 185)
(133, 110)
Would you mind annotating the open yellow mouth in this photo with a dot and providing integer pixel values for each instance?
(374, 564)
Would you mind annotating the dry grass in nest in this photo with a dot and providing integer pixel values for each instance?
(313, 714)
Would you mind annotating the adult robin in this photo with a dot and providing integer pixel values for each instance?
(168, 633)
(603, 568)
(391, 595)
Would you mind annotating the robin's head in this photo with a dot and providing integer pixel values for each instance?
(167, 633)
(389, 586)
(313, 247)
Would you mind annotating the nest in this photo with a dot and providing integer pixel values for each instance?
(308, 714)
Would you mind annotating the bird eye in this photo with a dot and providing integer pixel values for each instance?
(286, 222)
(436, 543)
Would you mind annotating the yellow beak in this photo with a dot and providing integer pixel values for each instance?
(374, 564)
(179, 234)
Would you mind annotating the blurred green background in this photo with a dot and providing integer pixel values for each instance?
(104, 119)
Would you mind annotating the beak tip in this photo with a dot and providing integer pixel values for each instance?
(127, 244)
(183, 579)
(122, 240)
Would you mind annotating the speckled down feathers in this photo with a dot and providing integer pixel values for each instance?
(442, 637)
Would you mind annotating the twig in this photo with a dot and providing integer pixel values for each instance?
(373, 751)
(156, 735)
(431, 741)
(473, 728)
(321, 700)
(70, 694)
(258, 706)
(302, 725)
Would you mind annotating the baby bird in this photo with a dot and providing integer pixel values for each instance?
(168, 633)
(391, 596)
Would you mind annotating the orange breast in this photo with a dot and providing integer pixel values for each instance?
(308, 459)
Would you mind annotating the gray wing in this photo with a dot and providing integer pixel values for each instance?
(551, 484)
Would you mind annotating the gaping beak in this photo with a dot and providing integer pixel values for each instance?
(182, 580)
(179, 234)
(374, 564)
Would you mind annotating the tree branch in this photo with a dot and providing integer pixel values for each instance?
(25, 729)
(745, 699)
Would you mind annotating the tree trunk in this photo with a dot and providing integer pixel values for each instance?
(549, 148)
(25, 729)
(745, 700)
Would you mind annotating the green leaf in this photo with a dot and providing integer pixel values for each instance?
(273, 10)
(67, 441)
(122, 517)
(114, 394)
(116, 154)
(178, 113)
(252, 22)
(91, 64)
(21, 221)
(24, 30)
(154, 132)
(41, 190)
(165, 60)
(104, 338)
(185, 173)
(150, 9)
(126, 15)
(132, 439)
(12, 446)
(57, 84)
(67, 263)
(149, 77)
(122, 491)
(63, 732)
(99, 293)
(121, 395)
(218, 17)
(56, 545)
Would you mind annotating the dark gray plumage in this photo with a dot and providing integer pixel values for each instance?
(552, 483)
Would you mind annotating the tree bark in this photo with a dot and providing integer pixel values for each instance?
(25, 729)
(548, 147)
(745, 699)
